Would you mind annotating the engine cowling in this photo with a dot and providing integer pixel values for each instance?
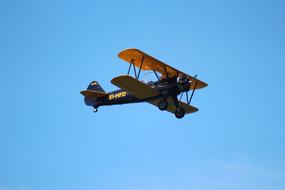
(184, 84)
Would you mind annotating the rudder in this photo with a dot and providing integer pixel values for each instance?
(95, 86)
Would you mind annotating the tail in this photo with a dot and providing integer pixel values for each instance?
(94, 91)
(95, 86)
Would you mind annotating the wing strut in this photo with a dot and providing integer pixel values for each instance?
(156, 74)
(181, 96)
(132, 63)
(135, 71)
(165, 70)
(188, 102)
(140, 67)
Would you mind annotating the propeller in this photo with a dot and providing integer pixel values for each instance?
(184, 83)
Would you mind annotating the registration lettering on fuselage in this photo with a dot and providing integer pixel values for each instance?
(117, 95)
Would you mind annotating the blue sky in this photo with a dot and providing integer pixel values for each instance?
(51, 50)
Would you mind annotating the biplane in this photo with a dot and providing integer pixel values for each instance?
(165, 92)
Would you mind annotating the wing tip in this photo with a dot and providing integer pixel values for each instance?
(126, 50)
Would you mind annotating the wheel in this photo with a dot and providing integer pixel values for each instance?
(162, 105)
(95, 110)
(179, 113)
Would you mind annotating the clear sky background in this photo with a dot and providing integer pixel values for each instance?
(51, 50)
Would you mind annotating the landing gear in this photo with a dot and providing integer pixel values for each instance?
(163, 105)
(95, 110)
(179, 113)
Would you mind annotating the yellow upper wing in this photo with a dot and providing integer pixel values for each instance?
(150, 63)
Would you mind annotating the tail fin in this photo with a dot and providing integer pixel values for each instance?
(95, 86)
(94, 91)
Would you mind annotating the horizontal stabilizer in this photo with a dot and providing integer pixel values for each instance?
(134, 87)
(93, 94)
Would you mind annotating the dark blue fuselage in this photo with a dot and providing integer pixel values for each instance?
(165, 89)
